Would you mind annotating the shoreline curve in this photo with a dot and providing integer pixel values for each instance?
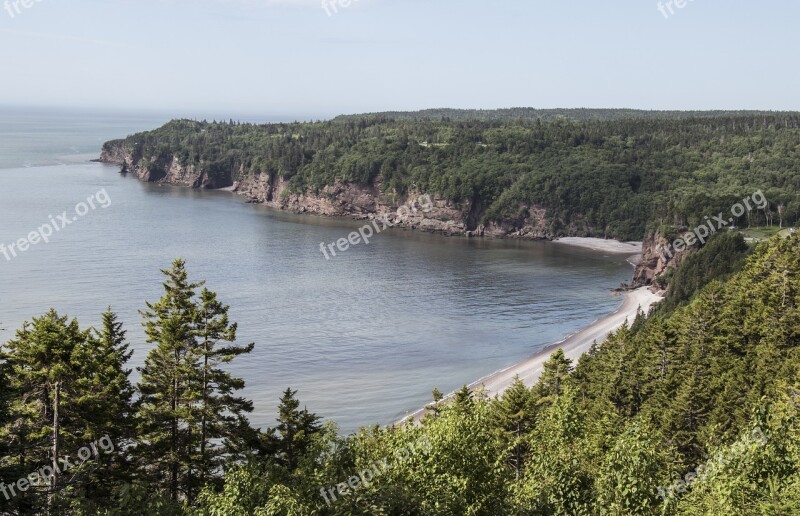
(574, 345)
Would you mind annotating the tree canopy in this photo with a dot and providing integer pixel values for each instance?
(599, 173)
(693, 410)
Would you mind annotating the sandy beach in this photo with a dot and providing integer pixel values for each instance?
(603, 245)
(574, 346)
(633, 249)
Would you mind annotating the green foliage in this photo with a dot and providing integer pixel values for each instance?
(294, 436)
(107, 403)
(532, 114)
(189, 421)
(723, 255)
(654, 403)
(246, 491)
(630, 470)
(758, 474)
(611, 173)
(50, 370)
(555, 375)
(140, 498)
(222, 414)
(557, 477)
(169, 389)
(514, 416)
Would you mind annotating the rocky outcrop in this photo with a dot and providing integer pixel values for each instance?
(337, 200)
(658, 255)
(358, 202)
(114, 152)
(534, 225)
(160, 169)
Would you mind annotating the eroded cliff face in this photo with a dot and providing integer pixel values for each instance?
(114, 152)
(355, 201)
(161, 170)
(658, 255)
(362, 202)
(338, 200)
(534, 225)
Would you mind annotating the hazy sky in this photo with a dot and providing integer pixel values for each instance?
(291, 57)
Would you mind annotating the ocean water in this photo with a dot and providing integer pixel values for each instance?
(364, 337)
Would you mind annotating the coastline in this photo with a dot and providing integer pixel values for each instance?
(529, 369)
(360, 202)
(574, 346)
(602, 245)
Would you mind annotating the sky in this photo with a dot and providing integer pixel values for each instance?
(299, 58)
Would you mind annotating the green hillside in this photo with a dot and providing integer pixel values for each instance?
(610, 178)
(691, 411)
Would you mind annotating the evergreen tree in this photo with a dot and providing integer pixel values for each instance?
(514, 415)
(293, 436)
(434, 407)
(224, 429)
(45, 367)
(107, 400)
(7, 467)
(463, 399)
(557, 474)
(167, 415)
(555, 374)
(189, 419)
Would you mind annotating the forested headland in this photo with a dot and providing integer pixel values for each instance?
(607, 173)
(693, 410)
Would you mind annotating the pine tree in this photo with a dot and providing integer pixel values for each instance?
(189, 418)
(556, 372)
(514, 415)
(434, 408)
(293, 436)
(44, 366)
(7, 468)
(463, 399)
(169, 391)
(106, 399)
(221, 413)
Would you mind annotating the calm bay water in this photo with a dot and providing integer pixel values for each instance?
(365, 337)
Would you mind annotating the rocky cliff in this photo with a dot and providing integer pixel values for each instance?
(337, 200)
(658, 256)
(365, 201)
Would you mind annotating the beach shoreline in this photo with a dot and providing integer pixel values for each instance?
(602, 245)
(574, 345)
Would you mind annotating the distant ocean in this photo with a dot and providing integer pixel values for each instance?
(364, 337)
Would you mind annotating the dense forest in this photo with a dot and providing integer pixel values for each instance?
(533, 114)
(693, 410)
(607, 173)
(718, 259)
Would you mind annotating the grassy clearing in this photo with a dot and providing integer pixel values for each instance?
(763, 233)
